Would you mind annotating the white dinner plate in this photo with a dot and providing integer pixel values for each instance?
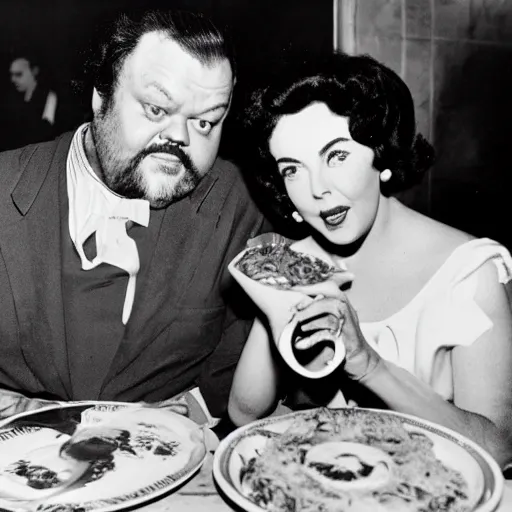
(154, 451)
(481, 472)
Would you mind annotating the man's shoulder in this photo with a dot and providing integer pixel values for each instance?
(225, 193)
(229, 176)
(14, 161)
(226, 169)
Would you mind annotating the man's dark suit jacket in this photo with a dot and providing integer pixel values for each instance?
(187, 326)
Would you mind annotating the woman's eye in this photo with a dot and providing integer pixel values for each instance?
(203, 126)
(288, 172)
(337, 156)
(154, 113)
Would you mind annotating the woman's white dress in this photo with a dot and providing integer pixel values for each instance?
(442, 315)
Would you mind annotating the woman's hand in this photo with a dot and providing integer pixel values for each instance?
(279, 306)
(333, 318)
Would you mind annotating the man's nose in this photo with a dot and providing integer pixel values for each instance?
(176, 131)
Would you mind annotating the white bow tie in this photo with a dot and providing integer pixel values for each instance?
(93, 208)
(113, 245)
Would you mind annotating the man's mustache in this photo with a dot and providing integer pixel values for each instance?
(170, 149)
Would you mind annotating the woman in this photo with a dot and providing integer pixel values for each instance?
(424, 314)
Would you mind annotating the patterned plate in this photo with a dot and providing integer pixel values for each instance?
(151, 451)
(477, 467)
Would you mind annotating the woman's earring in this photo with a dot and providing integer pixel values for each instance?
(385, 175)
(297, 217)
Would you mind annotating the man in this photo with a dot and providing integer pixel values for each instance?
(33, 110)
(115, 240)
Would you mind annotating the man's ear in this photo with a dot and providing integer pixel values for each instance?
(97, 102)
(35, 71)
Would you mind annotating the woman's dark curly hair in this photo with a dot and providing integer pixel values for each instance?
(376, 101)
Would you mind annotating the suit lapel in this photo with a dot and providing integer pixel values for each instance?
(31, 247)
(184, 233)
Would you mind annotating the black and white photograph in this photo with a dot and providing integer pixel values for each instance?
(255, 255)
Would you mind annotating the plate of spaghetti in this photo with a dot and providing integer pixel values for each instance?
(354, 459)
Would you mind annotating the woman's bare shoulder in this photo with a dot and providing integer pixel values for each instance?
(430, 235)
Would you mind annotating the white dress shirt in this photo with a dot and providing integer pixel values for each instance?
(95, 209)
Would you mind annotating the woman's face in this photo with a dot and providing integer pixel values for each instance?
(329, 177)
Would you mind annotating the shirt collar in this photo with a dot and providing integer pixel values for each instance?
(88, 194)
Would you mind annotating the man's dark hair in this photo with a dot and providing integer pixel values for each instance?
(377, 102)
(193, 32)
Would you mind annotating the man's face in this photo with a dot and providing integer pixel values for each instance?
(22, 75)
(160, 133)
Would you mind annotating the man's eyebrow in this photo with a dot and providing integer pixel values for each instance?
(220, 106)
(160, 89)
(332, 143)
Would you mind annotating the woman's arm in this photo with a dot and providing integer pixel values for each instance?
(254, 392)
(482, 379)
(403, 392)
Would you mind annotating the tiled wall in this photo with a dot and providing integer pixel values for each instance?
(456, 56)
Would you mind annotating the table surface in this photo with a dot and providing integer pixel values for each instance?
(200, 494)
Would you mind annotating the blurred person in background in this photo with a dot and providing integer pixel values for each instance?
(34, 107)
(35, 112)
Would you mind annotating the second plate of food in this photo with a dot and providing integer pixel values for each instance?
(101, 456)
(355, 460)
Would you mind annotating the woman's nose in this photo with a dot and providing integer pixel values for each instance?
(319, 185)
(176, 131)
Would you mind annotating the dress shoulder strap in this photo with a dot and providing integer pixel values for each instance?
(472, 255)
